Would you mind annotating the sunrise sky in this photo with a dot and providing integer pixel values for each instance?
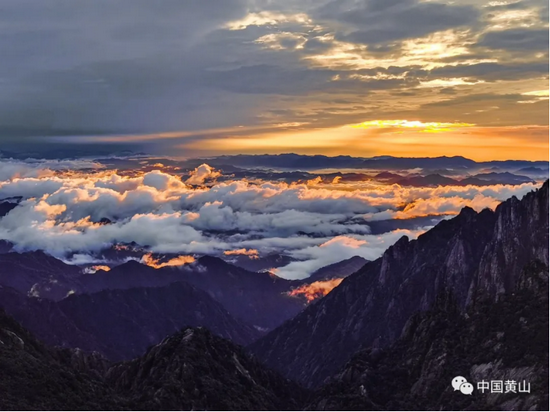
(206, 77)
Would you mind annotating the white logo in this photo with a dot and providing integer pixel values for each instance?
(460, 383)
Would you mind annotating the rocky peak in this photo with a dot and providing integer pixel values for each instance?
(195, 370)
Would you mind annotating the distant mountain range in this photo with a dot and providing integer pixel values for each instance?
(293, 161)
(121, 324)
(482, 179)
(120, 312)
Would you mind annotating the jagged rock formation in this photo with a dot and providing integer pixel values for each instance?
(506, 340)
(474, 255)
(340, 269)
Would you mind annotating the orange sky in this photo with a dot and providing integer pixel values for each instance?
(477, 143)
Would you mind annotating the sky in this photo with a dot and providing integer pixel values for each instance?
(207, 77)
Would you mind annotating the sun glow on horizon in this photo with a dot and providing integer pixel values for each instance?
(431, 127)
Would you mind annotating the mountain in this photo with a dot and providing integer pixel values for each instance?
(22, 271)
(506, 178)
(190, 370)
(506, 340)
(258, 264)
(297, 162)
(429, 180)
(131, 274)
(5, 246)
(482, 179)
(36, 377)
(281, 161)
(41, 275)
(121, 324)
(259, 299)
(473, 255)
(388, 177)
(401, 163)
(6, 207)
(194, 370)
(340, 269)
(534, 171)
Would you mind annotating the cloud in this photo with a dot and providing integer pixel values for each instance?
(98, 66)
(315, 290)
(12, 169)
(520, 39)
(130, 69)
(95, 268)
(492, 71)
(386, 21)
(201, 174)
(179, 261)
(251, 253)
(332, 250)
(317, 224)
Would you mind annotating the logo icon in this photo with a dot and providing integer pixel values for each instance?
(460, 383)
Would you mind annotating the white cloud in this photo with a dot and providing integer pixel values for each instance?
(339, 248)
(201, 174)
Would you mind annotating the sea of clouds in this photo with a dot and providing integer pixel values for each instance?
(62, 202)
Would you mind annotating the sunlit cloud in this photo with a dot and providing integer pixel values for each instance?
(149, 260)
(316, 223)
(315, 290)
(267, 18)
(251, 253)
(428, 52)
(514, 18)
(540, 93)
(282, 41)
(95, 268)
(432, 127)
(448, 83)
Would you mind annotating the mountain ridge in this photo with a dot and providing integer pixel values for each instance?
(472, 251)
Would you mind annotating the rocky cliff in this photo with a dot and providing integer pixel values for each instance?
(502, 341)
(472, 256)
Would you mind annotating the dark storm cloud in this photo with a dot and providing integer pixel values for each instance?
(520, 39)
(380, 21)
